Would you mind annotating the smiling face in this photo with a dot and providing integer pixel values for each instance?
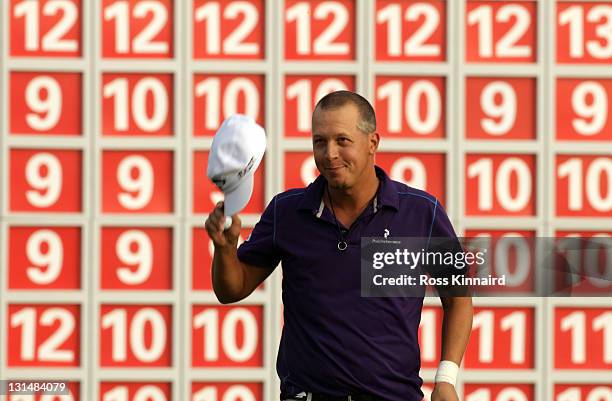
(343, 154)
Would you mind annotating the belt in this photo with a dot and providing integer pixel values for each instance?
(356, 397)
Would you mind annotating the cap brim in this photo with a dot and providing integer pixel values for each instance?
(237, 199)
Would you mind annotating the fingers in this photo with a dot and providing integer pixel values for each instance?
(216, 227)
(234, 229)
(215, 235)
(218, 216)
(214, 224)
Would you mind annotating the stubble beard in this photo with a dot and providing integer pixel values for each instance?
(341, 186)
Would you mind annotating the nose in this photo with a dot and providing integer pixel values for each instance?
(331, 151)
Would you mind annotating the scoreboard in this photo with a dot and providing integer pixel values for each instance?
(501, 109)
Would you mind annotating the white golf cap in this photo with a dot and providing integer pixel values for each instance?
(237, 149)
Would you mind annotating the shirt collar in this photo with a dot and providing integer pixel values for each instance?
(385, 196)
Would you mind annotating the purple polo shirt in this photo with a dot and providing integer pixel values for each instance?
(334, 341)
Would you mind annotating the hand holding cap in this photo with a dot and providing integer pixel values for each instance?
(236, 151)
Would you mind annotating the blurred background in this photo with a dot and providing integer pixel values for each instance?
(501, 109)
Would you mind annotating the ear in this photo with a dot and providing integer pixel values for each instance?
(374, 140)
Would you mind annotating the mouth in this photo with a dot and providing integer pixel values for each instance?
(334, 168)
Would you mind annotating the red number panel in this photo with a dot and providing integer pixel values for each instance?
(44, 258)
(137, 28)
(582, 392)
(302, 93)
(136, 258)
(430, 336)
(226, 391)
(137, 182)
(590, 260)
(410, 107)
(499, 233)
(300, 169)
(500, 108)
(410, 31)
(426, 171)
(130, 391)
(227, 336)
(583, 32)
(137, 104)
(583, 111)
(216, 97)
(45, 28)
(502, 338)
(498, 392)
(509, 253)
(583, 338)
(206, 194)
(319, 30)
(500, 185)
(501, 32)
(202, 251)
(45, 180)
(584, 185)
(43, 335)
(229, 29)
(135, 335)
(45, 103)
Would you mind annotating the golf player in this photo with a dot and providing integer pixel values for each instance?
(336, 344)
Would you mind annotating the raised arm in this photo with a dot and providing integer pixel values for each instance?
(232, 279)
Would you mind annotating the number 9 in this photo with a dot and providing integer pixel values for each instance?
(596, 110)
(415, 166)
(142, 185)
(143, 257)
(51, 106)
(52, 259)
(505, 110)
(48, 186)
(308, 170)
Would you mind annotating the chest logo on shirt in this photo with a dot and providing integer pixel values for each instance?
(386, 233)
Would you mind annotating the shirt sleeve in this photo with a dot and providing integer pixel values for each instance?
(260, 248)
(443, 239)
(440, 224)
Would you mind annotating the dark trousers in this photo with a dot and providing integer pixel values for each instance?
(323, 397)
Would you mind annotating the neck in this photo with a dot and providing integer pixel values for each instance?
(358, 196)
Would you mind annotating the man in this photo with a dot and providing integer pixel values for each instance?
(337, 345)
